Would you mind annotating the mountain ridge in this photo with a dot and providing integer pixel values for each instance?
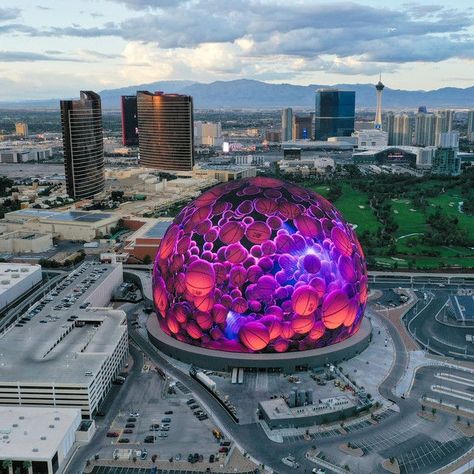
(251, 93)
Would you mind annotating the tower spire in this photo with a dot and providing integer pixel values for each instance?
(378, 114)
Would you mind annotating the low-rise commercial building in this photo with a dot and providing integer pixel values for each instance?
(67, 355)
(67, 225)
(147, 238)
(226, 172)
(43, 437)
(25, 242)
(15, 280)
(278, 414)
(306, 166)
(368, 139)
(387, 156)
(424, 157)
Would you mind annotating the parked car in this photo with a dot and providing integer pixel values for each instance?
(128, 431)
(131, 420)
(169, 412)
(112, 434)
(130, 425)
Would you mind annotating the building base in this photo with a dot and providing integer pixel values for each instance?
(285, 362)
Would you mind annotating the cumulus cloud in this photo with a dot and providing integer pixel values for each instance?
(264, 39)
(303, 29)
(81, 55)
(9, 13)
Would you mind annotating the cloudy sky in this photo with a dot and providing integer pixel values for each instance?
(53, 48)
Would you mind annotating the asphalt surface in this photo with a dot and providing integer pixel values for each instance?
(251, 437)
(103, 423)
(27, 302)
(394, 435)
(435, 336)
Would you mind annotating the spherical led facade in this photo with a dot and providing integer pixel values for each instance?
(260, 265)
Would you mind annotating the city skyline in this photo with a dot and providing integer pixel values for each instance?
(114, 43)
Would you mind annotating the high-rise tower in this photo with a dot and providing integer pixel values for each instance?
(378, 114)
(334, 113)
(166, 131)
(287, 124)
(129, 120)
(83, 145)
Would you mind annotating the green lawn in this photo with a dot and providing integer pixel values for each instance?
(354, 208)
(409, 219)
(449, 203)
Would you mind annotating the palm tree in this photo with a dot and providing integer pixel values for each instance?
(8, 465)
(29, 466)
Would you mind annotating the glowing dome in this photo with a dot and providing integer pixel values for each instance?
(260, 265)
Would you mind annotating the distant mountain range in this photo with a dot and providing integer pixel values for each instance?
(245, 93)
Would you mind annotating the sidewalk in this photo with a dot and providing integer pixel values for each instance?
(395, 315)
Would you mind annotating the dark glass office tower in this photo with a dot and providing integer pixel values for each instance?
(302, 127)
(129, 120)
(334, 114)
(165, 122)
(83, 145)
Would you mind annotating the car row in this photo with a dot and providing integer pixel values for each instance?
(197, 410)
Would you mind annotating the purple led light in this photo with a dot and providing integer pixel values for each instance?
(260, 265)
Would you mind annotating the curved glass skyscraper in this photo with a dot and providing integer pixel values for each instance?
(83, 145)
(165, 131)
(334, 113)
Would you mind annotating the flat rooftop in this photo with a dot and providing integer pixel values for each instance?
(34, 433)
(277, 408)
(66, 216)
(61, 346)
(61, 350)
(13, 273)
(157, 230)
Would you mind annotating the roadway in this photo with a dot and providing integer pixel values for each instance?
(88, 451)
(435, 336)
(252, 439)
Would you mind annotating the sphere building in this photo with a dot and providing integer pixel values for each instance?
(259, 266)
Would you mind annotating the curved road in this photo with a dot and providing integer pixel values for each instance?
(102, 424)
(251, 437)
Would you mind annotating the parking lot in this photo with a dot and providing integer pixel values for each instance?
(155, 416)
(426, 455)
(134, 470)
(71, 293)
